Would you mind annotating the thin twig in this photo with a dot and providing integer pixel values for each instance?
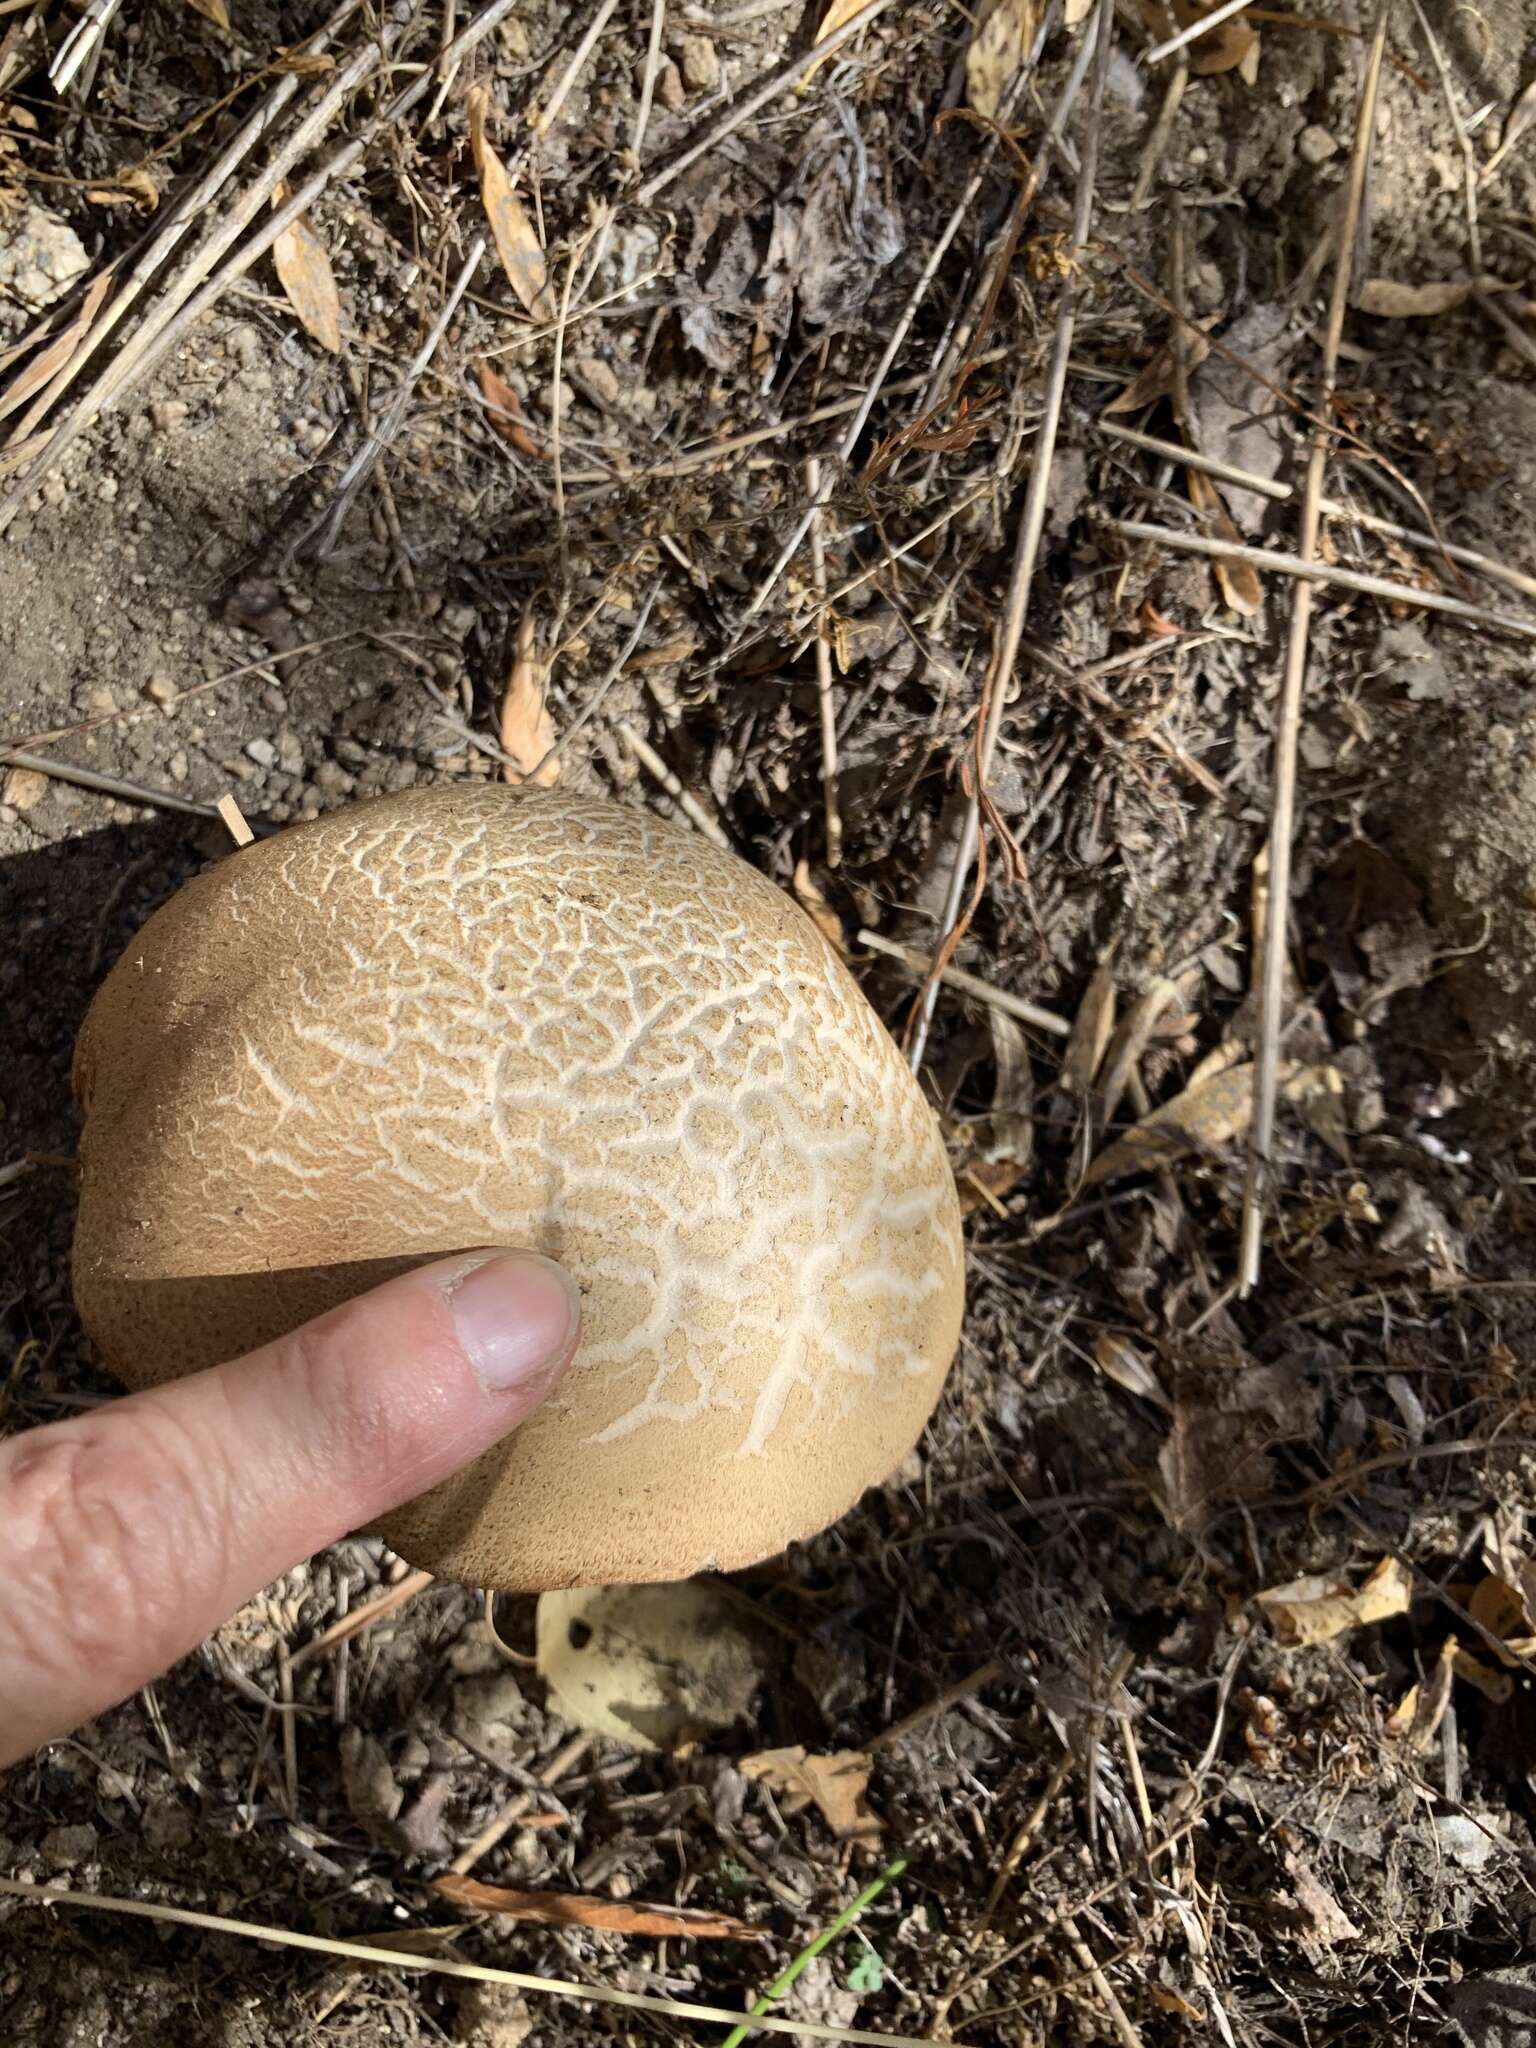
(648, 82)
(107, 785)
(1031, 526)
(686, 802)
(970, 985)
(321, 538)
(349, 1625)
(378, 1958)
(501, 1824)
(1332, 508)
(826, 709)
(1311, 571)
(1288, 714)
(1200, 27)
(753, 102)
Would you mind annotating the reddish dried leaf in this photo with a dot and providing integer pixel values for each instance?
(527, 730)
(577, 1909)
(504, 412)
(1239, 581)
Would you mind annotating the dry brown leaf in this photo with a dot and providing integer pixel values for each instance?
(1231, 46)
(1385, 299)
(1203, 1120)
(512, 229)
(1516, 122)
(1497, 1686)
(1090, 1033)
(211, 10)
(1315, 1611)
(304, 271)
(1239, 581)
(579, 1909)
(1120, 1360)
(45, 366)
(503, 411)
(997, 50)
(834, 1784)
(839, 13)
(1498, 1605)
(1415, 1720)
(1323, 1920)
(1155, 378)
(816, 907)
(527, 730)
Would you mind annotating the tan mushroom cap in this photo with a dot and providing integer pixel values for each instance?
(471, 1016)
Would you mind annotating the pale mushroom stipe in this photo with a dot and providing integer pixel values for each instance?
(465, 1017)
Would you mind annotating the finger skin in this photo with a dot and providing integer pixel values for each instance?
(128, 1534)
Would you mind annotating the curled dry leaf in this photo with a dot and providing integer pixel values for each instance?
(1239, 581)
(1154, 380)
(527, 730)
(1091, 1029)
(1386, 299)
(650, 1666)
(1231, 46)
(503, 410)
(580, 1909)
(304, 271)
(1316, 1610)
(1203, 1120)
(512, 230)
(997, 50)
(1415, 1720)
(1121, 1361)
(835, 1785)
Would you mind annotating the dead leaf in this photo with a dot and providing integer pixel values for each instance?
(816, 907)
(580, 1909)
(527, 730)
(1120, 1360)
(1155, 379)
(1497, 1686)
(212, 10)
(517, 244)
(1323, 1921)
(835, 1785)
(503, 410)
(1129, 1042)
(1312, 1611)
(1231, 46)
(303, 63)
(1239, 581)
(1211, 1457)
(1090, 1033)
(45, 366)
(133, 187)
(653, 1667)
(304, 271)
(1516, 122)
(1499, 1606)
(997, 51)
(1415, 1720)
(1385, 299)
(836, 16)
(1203, 1120)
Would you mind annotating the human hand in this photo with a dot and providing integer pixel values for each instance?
(129, 1533)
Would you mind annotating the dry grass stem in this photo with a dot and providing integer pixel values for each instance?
(1276, 939)
(970, 985)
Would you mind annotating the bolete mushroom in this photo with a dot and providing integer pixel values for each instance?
(468, 1016)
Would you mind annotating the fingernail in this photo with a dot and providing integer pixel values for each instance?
(516, 1317)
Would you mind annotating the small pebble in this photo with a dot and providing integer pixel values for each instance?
(701, 66)
(458, 620)
(177, 766)
(670, 89)
(262, 752)
(64, 1847)
(169, 413)
(162, 688)
(1315, 145)
(25, 788)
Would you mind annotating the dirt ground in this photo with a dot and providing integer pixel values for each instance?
(1133, 1807)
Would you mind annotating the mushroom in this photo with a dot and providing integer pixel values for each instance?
(468, 1016)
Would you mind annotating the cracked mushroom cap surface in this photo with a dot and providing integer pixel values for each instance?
(472, 1015)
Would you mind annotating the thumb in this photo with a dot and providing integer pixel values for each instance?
(128, 1534)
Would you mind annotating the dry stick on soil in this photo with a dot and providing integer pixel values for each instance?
(1309, 571)
(971, 985)
(893, 347)
(378, 1958)
(107, 785)
(1288, 720)
(826, 710)
(1332, 508)
(147, 344)
(183, 214)
(170, 321)
(686, 802)
(565, 1759)
(1195, 30)
(1031, 525)
(235, 821)
(648, 82)
(1120, 2019)
(542, 122)
(322, 536)
(371, 1611)
(753, 103)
